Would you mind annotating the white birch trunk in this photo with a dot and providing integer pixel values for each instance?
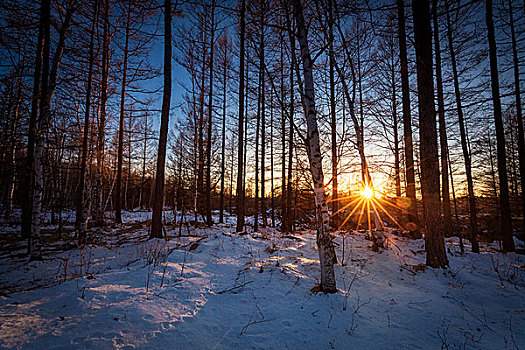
(324, 240)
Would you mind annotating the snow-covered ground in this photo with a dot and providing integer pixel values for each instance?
(213, 289)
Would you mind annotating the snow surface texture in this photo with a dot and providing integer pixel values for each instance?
(213, 289)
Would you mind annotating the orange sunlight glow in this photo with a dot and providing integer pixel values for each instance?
(370, 207)
(367, 192)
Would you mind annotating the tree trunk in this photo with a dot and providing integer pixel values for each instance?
(284, 213)
(263, 122)
(397, 174)
(519, 112)
(209, 219)
(290, 217)
(257, 130)
(128, 175)
(47, 90)
(223, 141)
(12, 149)
(34, 245)
(333, 117)
(144, 155)
(324, 240)
(464, 146)
(434, 239)
(200, 136)
(81, 219)
(445, 192)
(98, 212)
(272, 163)
(506, 223)
(120, 154)
(28, 177)
(158, 201)
(460, 233)
(240, 150)
(407, 120)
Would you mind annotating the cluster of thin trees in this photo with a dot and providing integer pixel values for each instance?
(421, 97)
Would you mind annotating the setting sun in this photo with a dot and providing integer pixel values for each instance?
(368, 192)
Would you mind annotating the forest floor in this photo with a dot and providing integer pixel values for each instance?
(213, 289)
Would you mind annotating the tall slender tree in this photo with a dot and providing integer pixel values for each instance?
(48, 85)
(225, 46)
(35, 179)
(98, 212)
(240, 150)
(443, 142)
(263, 115)
(333, 117)
(82, 195)
(324, 240)
(407, 117)
(158, 200)
(506, 223)
(209, 219)
(429, 161)
(120, 150)
(464, 147)
(26, 187)
(519, 111)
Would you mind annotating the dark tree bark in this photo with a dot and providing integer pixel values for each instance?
(257, 133)
(263, 120)
(324, 241)
(98, 212)
(26, 185)
(519, 112)
(144, 156)
(407, 118)
(395, 125)
(443, 142)
(290, 217)
(272, 184)
(223, 138)
(81, 219)
(434, 239)
(284, 213)
(333, 117)
(506, 223)
(35, 167)
(240, 150)
(463, 134)
(11, 156)
(158, 201)
(200, 136)
(209, 220)
(48, 86)
(120, 152)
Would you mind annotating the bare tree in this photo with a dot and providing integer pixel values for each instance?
(443, 142)
(82, 208)
(224, 43)
(407, 118)
(324, 240)
(506, 223)
(466, 153)
(209, 219)
(240, 150)
(158, 201)
(519, 112)
(98, 211)
(120, 151)
(434, 239)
